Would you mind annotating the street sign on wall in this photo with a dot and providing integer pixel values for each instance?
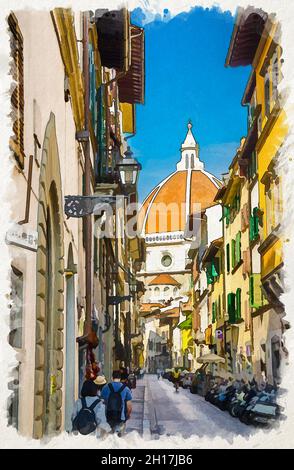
(22, 237)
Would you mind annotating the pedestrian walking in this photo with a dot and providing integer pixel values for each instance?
(158, 373)
(88, 415)
(132, 380)
(100, 381)
(118, 400)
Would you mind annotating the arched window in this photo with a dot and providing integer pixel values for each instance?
(166, 291)
(192, 161)
(187, 161)
(175, 291)
(156, 291)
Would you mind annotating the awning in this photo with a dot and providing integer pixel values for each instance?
(113, 38)
(132, 84)
(212, 250)
(247, 32)
(210, 358)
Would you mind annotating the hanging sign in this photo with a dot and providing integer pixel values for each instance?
(23, 237)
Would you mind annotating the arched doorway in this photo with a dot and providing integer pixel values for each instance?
(70, 345)
(49, 291)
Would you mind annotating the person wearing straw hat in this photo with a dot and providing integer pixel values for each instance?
(100, 381)
(92, 406)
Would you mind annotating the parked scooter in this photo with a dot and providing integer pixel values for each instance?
(265, 410)
(237, 407)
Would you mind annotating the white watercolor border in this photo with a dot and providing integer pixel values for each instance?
(284, 436)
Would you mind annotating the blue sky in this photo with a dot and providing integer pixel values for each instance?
(186, 79)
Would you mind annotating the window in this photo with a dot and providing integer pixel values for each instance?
(175, 292)
(275, 75)
(17, 97)
(233, 253)
(156, 291)
(278, 201)
(226, 214)
(238, 248)
(213, 312)
(166, 261)
(267, 101)
(228, 257)
(211, 271)
(192, 161)
(232, 307)
(187, 162)
(252, 165)
(166, 291)
(255, 293)
(16, 311)
(254, 222)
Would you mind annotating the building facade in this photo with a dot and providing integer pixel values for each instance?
(68, 278)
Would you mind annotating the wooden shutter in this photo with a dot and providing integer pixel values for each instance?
(255, 291)
(238, 248)
(17, 97)
(231, 307)
(243, 224)
(238, 303)
(228, 257)
(233, 253)
(246, 214)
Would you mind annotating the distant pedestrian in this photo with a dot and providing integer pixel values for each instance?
(88, 415)
(124, 377)
(132, 380)
(158, 373)
(118, 399)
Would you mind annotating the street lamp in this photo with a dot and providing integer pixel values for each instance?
(128, 169)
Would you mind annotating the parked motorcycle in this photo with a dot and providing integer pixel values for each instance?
(265, 410)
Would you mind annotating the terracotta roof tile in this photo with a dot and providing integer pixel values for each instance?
(164, 279)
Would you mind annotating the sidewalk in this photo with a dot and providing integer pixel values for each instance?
(139, 419)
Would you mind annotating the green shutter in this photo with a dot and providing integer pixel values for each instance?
(228, 257)
(251, 228)
(226, 214)
(255, 291)
(254, 224)
(209, 275)
(238, 247)
(213, 312)
(214, 272)
(255, 219)
(238, 303)
(233, 252)
(232, 307)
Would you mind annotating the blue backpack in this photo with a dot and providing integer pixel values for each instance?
(85, 421)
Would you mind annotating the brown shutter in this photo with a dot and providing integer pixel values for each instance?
(246, 214)
(17, 96)
(243, 224)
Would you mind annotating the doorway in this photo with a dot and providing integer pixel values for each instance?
(70, 344)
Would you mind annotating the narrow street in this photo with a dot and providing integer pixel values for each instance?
(164, 411)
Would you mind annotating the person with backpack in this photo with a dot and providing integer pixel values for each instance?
(118, 400)
(88, 415)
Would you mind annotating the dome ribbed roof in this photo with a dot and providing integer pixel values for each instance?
(188, 190)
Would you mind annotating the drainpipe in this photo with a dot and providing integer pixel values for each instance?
(88, 219)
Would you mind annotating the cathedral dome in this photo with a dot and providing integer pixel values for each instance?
(188, 190)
